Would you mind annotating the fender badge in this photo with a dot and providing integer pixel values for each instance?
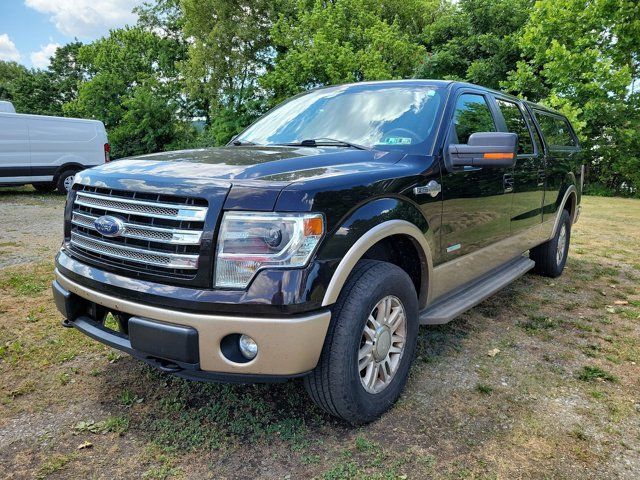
(453, 248)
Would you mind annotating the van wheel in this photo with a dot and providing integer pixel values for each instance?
(44, 187)
(65, 181)
(551, 257)
(369, 346)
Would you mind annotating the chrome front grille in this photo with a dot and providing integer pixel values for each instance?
(149, 209)
(160, 234)
(135, 254)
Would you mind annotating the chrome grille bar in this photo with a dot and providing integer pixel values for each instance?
(144, 208)
(139, 255)
(144, 232)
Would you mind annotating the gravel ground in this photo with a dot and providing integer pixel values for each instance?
(31, 225)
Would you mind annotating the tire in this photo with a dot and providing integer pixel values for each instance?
(336, 384)
(44, 187)
(63, 181)
(551, 256)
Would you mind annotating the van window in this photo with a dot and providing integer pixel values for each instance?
(516, 124)
(555, 130)
(472, 115)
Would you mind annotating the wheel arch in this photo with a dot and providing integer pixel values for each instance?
(388, 226)
(569, 202)
(67, 166)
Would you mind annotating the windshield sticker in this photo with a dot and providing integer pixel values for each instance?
(397, 141)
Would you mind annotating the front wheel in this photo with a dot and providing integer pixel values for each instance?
(65, 181)
(370, 344)
(551, 256)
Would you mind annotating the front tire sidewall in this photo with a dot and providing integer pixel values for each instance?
(354, 312)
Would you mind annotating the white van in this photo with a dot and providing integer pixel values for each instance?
(48, 151)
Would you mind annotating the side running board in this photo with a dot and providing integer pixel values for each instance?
(459, 301)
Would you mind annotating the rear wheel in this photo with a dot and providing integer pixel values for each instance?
(44, 187)
(65, 181)
(370, 344)
(551, 257)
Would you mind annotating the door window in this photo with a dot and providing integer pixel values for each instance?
(472, 115)
(516, 124)
(556, 130)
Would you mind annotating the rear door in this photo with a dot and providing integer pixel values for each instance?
(15, 159)
(476, 201)
(529, 171)
(563, 156)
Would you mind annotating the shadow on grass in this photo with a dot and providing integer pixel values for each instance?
(26, 191)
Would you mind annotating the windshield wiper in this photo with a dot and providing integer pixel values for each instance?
(239, 143)
(318, 142)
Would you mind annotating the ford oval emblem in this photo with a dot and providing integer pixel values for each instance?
(109, 226)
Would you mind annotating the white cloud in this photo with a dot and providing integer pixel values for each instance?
(8, 50)
(87, 19)
(40, 59)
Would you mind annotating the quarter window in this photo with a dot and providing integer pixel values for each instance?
(472, 115)
(555, 130)
(516, 124)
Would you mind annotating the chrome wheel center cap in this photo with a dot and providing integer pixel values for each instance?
(381, 344)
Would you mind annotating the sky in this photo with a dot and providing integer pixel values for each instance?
(31, 30)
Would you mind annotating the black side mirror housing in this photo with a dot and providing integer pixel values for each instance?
(485, 149)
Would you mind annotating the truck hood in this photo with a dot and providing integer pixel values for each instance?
(255, 175)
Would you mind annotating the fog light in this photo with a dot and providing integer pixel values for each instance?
(248, 347)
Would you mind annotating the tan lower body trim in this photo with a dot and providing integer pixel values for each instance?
(455, 273)
(286, 346)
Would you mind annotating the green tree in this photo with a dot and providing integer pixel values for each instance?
(66, 72)
(132, 86)
(34, 92)
(43, 91)
(474, 40)
(342, 41)
(230, 49)
(9, 72)
(581, 57)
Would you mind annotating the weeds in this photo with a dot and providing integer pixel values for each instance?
(591, 373)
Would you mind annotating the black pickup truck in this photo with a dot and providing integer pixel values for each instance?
(320, 238)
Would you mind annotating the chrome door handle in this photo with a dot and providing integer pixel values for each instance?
(432, 188)
(507, 183)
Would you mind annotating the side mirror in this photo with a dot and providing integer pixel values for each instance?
(485, 149)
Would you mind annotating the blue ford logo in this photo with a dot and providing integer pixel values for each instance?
(109, 226)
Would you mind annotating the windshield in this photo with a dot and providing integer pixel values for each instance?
(384, 117)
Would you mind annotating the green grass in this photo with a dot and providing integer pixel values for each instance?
(54, 464)
(484, 389)
(25, 283)
(590, 373)
(117, 424)
(537, 322)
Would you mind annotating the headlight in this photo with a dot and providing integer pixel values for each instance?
(249, 242)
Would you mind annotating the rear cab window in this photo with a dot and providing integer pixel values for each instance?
(516, 123)
(556, 130)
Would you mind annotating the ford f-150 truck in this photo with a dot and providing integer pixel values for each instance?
(317, 241)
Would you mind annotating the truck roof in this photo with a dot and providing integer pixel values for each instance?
(450, 84)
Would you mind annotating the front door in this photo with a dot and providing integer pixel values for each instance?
(476, 201)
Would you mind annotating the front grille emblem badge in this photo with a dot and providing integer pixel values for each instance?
(109, 226)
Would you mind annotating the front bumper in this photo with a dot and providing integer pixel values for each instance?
(288, 346)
